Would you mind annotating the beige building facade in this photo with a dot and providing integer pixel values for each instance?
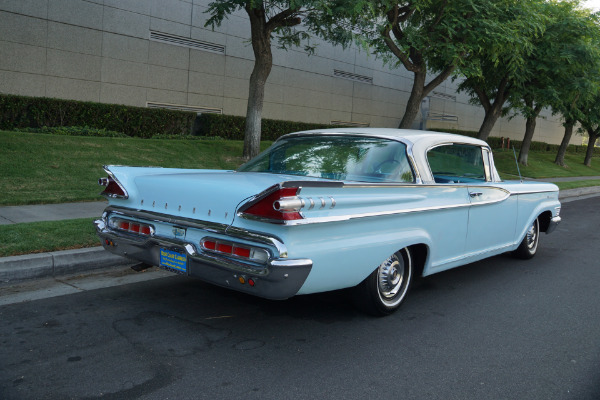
(158, 53)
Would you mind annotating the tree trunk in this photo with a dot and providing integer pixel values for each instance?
(529, 131)
(560, 156)
(489, 121)
(414, 101)
(256, 96)
(263, 62)
(590, 149)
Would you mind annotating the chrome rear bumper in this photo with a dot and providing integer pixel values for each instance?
(278, 279)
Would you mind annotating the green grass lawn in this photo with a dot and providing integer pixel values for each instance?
(39, 237)
(578, 184)
(541, 165)
(41, 168)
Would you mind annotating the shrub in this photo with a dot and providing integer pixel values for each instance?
(69, 117)
(73, 131)
(232, 127)
(36, 112)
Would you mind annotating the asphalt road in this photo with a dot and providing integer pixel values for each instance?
(497, 329)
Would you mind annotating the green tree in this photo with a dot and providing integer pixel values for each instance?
(558, 67)
(582, 88)
(503, 69)
(432, 39)
(267, 19)
(590, 123)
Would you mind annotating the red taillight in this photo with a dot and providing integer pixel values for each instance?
(113, 189)
(249, 253)
(132, 227)
(269, 206)
(241, 252)
(224, 248)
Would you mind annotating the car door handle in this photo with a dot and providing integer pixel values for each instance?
(475, 194)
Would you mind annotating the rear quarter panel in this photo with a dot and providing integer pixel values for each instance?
(366, 225)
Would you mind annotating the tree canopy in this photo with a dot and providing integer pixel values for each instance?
(502, 69)
(559, 69)
(432, 39)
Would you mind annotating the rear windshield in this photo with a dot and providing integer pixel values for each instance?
(346, 157)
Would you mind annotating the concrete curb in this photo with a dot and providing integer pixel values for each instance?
(579, 192)
(57, 263)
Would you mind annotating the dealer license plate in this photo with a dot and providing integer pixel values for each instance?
(173, 260)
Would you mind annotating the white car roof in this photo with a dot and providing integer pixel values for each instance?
(422, 138)
(420, 141)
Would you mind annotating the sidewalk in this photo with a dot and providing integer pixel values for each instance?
(566, 179)
(50, 212)
(57, 263)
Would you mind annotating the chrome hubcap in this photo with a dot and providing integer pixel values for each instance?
(391, 277)
(532, 235)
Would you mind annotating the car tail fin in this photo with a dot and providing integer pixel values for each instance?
(113, 188)
(276, 204)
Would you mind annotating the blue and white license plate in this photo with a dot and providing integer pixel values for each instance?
(173, 260)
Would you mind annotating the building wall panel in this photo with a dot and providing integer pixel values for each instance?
(100, 50)
(75, 89)
(22, 29)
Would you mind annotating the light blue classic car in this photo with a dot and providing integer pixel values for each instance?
(367, 209)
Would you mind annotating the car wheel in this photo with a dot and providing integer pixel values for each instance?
(382, 292)
(529, 245)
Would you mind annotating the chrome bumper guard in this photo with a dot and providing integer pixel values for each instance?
(279, 279)
(553, 224)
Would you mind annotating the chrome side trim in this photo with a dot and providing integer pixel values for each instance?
(203, 225)
(532, 192)
(337, 218)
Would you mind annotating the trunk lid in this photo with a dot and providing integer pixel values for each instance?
(206, 195)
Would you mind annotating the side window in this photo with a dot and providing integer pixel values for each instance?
(456, 163)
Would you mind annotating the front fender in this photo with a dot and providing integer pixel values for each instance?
(531, 206)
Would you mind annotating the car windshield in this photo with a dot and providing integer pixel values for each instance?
(339, 157)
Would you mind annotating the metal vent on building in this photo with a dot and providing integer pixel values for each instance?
(442, 117)
(348, 123)
(444, 96)
(186, 42)
(181, 107)
(352, 77)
